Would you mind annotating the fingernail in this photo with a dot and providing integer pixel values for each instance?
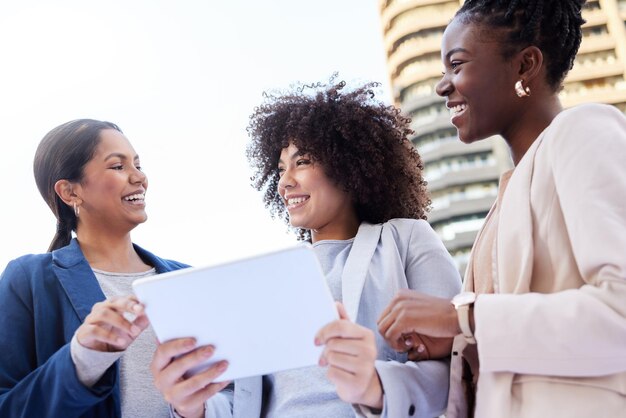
(120, 341)
(317, 341)
(191, 343)
(222, 366)
(322, 362)
(135, 330)
(137, 308)
(207, 351)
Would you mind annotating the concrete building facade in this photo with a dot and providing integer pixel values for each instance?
(463, 179)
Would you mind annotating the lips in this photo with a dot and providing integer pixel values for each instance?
(456, 110)
(294, 202)
(137, 198)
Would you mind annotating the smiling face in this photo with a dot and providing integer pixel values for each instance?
(312, 200)
(477, 82)
(112, 190)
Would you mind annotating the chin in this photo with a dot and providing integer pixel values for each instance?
(468, 138)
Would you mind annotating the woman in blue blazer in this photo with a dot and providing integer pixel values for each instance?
(68, 326)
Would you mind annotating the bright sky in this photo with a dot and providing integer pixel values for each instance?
(180, 78)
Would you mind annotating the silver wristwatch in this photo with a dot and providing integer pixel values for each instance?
(462, 303)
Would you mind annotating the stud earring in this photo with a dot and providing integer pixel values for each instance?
(520, 90)
(76, 210)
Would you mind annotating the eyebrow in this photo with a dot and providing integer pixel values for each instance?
(294, 155)
(120, 156)
(453, 51)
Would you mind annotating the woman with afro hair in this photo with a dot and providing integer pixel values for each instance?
(338, 167)
(541, 327)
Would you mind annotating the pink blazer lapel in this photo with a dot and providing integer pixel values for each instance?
(515, 243)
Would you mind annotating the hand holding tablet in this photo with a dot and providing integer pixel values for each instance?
(261, 313)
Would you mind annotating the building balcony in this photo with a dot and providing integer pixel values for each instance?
(426, 70)
(400, 6)
(438, 123)
(461, 208)
(410, 106)
(412, 49)
(591, 72)
(454, 148)
(594, 18)
(465, 176)
(596, 43)
(407, 27)
(460, 241)
(608, 95)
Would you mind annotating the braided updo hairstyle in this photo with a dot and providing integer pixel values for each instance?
(361, 143)
(553, 26)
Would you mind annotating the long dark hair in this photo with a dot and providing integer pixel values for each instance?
(62, 155)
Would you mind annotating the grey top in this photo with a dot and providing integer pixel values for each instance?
(405, 253)
(307, 392)
(139, 396)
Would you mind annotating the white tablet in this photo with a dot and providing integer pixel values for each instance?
(261, 313)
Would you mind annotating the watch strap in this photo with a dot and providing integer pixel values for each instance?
(464, 323)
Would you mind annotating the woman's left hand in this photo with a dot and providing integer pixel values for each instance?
(413, 312)
(349, 353)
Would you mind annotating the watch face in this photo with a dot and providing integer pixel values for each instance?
(464, 298)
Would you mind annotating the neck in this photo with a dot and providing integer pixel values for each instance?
(341, 230)
(110, 253)
(532, 120)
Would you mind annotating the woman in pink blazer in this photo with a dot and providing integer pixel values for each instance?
(541, 324)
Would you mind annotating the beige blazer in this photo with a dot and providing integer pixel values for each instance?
(552, 342)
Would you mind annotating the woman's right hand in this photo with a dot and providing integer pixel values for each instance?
(171, 362)
(106, 328)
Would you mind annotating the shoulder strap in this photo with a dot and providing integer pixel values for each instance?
(357, 264)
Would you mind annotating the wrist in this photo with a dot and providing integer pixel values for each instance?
(463, 304)
(198, 413)
(373, 397)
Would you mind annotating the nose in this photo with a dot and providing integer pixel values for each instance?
(444, 86)
(137, 176)
(285, 181)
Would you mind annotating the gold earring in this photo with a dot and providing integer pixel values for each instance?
(520, 90)
(76, 210)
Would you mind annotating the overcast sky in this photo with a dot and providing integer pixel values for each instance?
(180, 78)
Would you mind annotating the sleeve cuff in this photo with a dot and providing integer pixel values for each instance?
(91, 364)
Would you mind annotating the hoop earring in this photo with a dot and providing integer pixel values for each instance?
(76, 210)
(520, 90)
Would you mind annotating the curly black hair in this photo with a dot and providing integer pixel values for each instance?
(361, 143)
(554, 26)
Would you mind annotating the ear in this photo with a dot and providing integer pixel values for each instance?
(530, 63)
(65, 189)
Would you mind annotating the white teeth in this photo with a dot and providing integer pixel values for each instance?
(296, 200)
(458, 108)
(138, 196)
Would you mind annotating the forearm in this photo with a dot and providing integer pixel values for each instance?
(569, 333)
(91, 364)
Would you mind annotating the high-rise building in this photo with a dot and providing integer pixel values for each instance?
(463, 179)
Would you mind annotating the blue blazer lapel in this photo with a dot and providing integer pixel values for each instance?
(357, 265)
(77, 279)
